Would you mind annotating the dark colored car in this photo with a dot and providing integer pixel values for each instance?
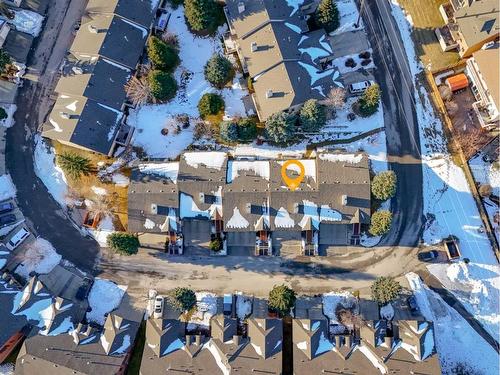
(427, 256)
(6, 207)
(7, 219)
(412, 303)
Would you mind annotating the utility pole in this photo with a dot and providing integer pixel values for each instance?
(359, 15)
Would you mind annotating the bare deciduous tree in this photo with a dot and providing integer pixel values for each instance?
(335, 98)
(445, 92)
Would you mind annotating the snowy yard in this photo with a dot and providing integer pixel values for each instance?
(104, 297)
(334, 300)
(149, 120)
(456, 341)
(40, 257)
(206, 307)
(27, 21)
(349, 13)
(477, 287)
(7, 188)
(340, 63)
(448, 202)
(10, 109)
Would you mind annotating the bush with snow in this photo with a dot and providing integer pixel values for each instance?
(162, 85)
(280, 127)
(218, 71)
(210, 104)
(380, 223)
(384, 185)
(123, 243)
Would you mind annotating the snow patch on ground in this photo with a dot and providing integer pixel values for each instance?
(7, 188)
(349, 13)
(341, 124)
(206, 307)
(10, 109)
(456, 341)
(332, 301)
(51, 175)
(341, 66)
(103, 230)
(243, 306)
(120, 180)
(477, 287)
(387, 312)
(40, 257)
(27, 21)
(104, 297)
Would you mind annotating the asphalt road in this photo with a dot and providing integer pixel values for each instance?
(403, 145)
(37, 205)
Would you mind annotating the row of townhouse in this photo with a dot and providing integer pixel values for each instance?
(183, 206)
(91, 106)
(261, 345)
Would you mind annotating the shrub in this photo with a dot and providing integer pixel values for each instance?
(385, 290)
(162, 85)
(4, 60)
(380, 223)
(74, 165)
(171, 39)
(312, 116)
(282, 299)
(228, 131)
(183, 299)
(368, 102)
(218, 71)
(366, 62)
(247, 129)
(350, 63)
(327, 15)
(485, 190)
(3, 114)
(201, 14)
(365, 55)
(215, 244)
(280, 127)
(123, 243)
(162, 55)
(384, 185)
(210, 104)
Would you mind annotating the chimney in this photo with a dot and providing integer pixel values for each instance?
(198, 340)
(269, 93)
(241, 7)
(338, 342)
(236, 339)
(188, 340)
(253, 46)
(344, 200)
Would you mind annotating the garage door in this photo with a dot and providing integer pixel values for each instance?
(287, 243)
(196, 235)
(333, 234)
(240, 243)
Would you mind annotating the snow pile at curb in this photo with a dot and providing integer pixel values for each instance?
(456, 341)
(7, 188)
(104, 297)
(477, 287)
(51, 175)
(10, 109)
(40, 257)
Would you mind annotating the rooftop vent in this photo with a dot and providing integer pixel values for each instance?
(248, 207)
(154, 208)
(201, 197)
(253, 46)
(269, 93)
(241, 7)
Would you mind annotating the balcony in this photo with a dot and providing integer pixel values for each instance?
(445, 38)
(230, 45)
(486, 119)
(447, 12)
(263, 244)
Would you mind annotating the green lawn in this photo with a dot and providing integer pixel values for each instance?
(426, 17)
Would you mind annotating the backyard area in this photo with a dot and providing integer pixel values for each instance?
(425, 17)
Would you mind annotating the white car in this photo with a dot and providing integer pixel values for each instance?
(158, 309)
(17, 238)
(359, 87)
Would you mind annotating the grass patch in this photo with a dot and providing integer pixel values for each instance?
(136, 358)
(116, 196)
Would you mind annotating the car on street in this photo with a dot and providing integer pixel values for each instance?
(158, 309)
(428, 256)
(6, 207)
(7, 219)
(18, 238)
(412, 304)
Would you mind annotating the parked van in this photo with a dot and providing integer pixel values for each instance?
(17, 238)
(359, 87)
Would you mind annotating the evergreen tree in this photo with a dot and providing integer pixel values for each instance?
(280, 127)
(200, 14)
(282, 299)
(162, 85)
(162, 55)
(183, 298)
(74, 165)
(385, 290)
(218, 71)
(380, 223)
(312, 116)
(247, 130)
(123, 243)
(368, 103)
(228, 131)
(210, 104)
(384, 185)
(4, 60)
(327, 15)
(3, 114)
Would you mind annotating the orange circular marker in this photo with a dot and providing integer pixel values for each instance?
(292, 183)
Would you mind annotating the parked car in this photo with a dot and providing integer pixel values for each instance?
(427, 256)
(7, 219)
(359, 87)
(228, 304)
(17, 238)
(412, 304)
(158, 312)
(6, 207)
